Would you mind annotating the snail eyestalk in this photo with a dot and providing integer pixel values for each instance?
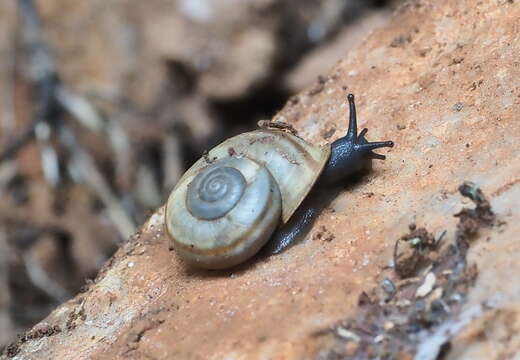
(352, 124)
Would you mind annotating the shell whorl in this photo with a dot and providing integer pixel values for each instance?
(279, 170)
(214, 192)
(246, 218)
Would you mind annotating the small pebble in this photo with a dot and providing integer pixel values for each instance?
(427, 286)
(347, 334)
(458, 106)
(379, 338)
(389, 288)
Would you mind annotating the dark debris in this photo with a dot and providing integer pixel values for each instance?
(13, 349)
(471, 220)
(280, 125)
(74, 317)
(327, 134)
(417, 254)
(323, 234)
(207, 158)
(428, 286)
(318, 87)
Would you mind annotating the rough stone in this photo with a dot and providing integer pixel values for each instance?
(407, 77)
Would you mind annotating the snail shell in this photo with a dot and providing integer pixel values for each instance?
(221, 214)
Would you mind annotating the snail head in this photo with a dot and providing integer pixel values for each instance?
(352, 153)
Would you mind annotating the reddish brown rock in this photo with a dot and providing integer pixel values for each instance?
(441, 80)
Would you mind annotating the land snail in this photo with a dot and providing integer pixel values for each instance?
(243, 193)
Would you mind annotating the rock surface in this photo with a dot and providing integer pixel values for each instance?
(145, 89)
(442, 81)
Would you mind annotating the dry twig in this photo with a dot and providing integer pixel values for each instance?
(6, 330)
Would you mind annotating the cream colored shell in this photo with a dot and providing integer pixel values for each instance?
(240, 233)
(294, 166)
(294, 163)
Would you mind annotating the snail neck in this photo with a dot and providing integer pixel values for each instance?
(345, 160)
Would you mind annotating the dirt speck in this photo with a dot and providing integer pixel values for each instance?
(323, 234)
(318, 87)
(41, 330)
(74, 317)
(279, 125)
(458, 106)
(415, 255)
(327, 134)
(401, 41)
(207, 158)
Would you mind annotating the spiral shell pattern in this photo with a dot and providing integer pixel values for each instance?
(232, 208)
(214, 192)
(213, 224)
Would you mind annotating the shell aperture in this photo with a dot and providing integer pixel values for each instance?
(214, 192)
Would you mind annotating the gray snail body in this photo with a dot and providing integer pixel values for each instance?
(222, 213)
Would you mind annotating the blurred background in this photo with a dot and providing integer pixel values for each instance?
(105, 103)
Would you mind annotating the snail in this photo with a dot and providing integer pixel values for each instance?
(244, 192)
